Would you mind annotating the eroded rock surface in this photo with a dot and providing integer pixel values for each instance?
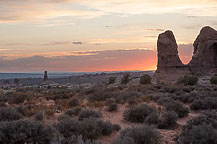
(204, 59)
(167, 52)
(205, 51)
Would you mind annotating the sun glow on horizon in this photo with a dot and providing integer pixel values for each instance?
(96, 35)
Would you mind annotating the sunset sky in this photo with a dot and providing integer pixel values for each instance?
(96, 35)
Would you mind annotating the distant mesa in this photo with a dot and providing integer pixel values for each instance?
(204, 59)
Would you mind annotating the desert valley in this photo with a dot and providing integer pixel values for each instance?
(176, 104)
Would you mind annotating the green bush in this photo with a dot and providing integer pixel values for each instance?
(188, 80)
(145, 79)
(138, 114)
(138, 135)
(213, 80)
(25, 131)
(125, 79)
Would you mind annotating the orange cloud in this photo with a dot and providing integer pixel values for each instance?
(113, 60)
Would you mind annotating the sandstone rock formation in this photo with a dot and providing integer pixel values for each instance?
(205, 51)
(204, 59)
(168, 58)
(45, 76)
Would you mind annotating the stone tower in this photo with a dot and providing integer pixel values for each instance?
(45, 76)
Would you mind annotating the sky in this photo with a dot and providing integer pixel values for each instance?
(96, 35)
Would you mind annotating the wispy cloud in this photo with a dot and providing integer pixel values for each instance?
(84, 61)
(29, 10)
(155, 29)
(56, 43)
(78, 43)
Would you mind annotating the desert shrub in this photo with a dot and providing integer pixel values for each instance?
(164, 100)
(62, 117)
(73, 140)
(177, 107)
(25, 110)
(202, 134)
(17, 99)
(137, 114)
(39, 116)
(112, 80)
(2, 104)
(201, 129)
(73, 102)
(25, 131)
(88, 113)
(127, 95)
(213, 80)
(68, 127)
(9, 114)
(204, 104)
(188, 80)
(187, 89)
(50, 112)
(74, 111)
(132, 102)
(99, 95)
(125, 79)
(93, 128)
(117, 127)
(152, 119)
(167, 120)
(189, 97)
(112, 107)
(145, 79)
(172, 89)
(107, 127)
(138, 135)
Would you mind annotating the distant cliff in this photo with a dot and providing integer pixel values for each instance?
(204, 59)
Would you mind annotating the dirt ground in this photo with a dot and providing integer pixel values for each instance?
(116, 118)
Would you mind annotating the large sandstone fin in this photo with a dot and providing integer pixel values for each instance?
(167, 52)
(204, 59)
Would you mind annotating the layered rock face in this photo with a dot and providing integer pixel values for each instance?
(168, 58)
(205, 51)
(204, 58)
